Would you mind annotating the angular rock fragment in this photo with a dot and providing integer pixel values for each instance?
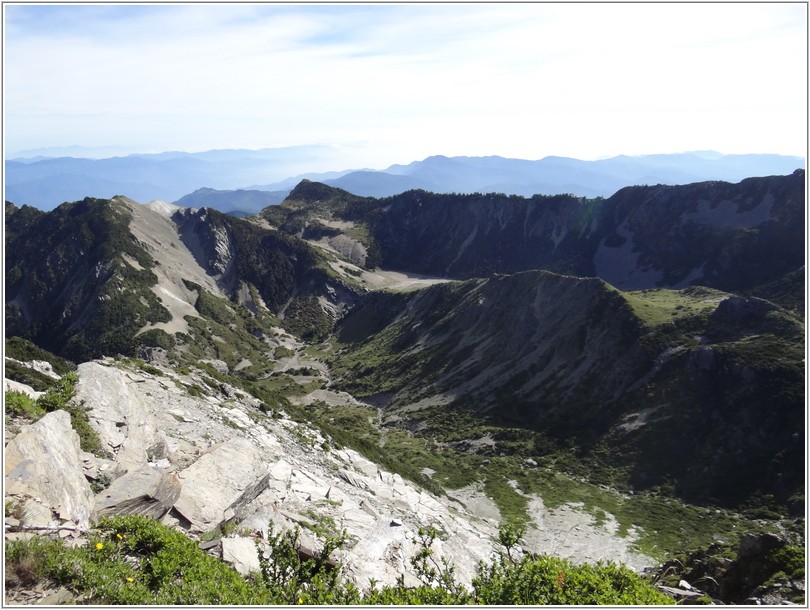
(148, 491)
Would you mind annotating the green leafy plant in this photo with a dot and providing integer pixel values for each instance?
(134, 560)
(292, 578)
(21, 404)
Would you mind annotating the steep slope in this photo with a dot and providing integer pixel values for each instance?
(481, 340)
(695, 389)
(728, 236)
(735, 237)
(77, 282)
(105, 276)
(475, 235)
(722, 421)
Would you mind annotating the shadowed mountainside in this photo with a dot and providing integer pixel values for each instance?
(736, 237)
(697, 390)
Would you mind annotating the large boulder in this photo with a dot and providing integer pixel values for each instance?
(241, 553)
(221, 482)
(44, 471)
(15, 386)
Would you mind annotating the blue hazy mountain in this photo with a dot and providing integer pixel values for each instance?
(47, 182)
(557, 175)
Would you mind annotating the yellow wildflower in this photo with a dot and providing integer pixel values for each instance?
(119, 536)
(130, 579)
(99, 546)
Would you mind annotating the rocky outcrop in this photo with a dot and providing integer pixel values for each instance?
(241, 553)
(228, 476)
(125, 423)
(44, 474)
(213, 461)
(764, 569)
(202, 463)
(210, 244)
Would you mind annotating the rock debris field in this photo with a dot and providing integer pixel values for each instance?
(200, 462)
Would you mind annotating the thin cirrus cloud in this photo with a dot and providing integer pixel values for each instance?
(397, 82)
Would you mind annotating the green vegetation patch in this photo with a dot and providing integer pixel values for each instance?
(22, 405)
(133, 560)
(24, 374)
(58, 397)
(656, 307)
(25, 351)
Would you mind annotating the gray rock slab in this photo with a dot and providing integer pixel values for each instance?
(119, 413)
(44, 463)
(148, 491)
(218, 480)
(241, 553)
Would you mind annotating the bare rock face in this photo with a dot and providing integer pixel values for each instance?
(122, 418)
(147, 491)
(199, 462)
(44, 472)
(230, 463)
(225, 477)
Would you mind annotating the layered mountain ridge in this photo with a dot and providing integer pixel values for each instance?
(244, 181)
(730, 236)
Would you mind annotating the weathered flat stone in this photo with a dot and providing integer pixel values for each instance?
(147, 491)
(210, 544)
(57, 598)
(241, 553)
(119, 413)
(218, 480)
(354, 479)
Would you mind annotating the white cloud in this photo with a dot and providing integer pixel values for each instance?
(512, 79)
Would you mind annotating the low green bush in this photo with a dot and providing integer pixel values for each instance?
(59, 397)
(20, 403)
(134, 560)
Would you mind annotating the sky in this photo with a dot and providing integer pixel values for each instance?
(383, 83)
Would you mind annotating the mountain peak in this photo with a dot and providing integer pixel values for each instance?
(310, 191)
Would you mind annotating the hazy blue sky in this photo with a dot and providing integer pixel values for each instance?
(395, 83)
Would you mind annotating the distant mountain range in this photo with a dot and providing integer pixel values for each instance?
(558, 175)
(45, 182)
(235, 181)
